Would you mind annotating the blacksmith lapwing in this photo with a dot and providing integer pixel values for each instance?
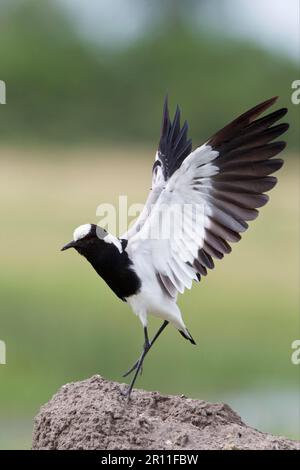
(199, 202)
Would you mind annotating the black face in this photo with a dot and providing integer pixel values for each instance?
(93, 239)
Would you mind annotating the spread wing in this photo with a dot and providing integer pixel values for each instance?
(174, 146)
(207, 197)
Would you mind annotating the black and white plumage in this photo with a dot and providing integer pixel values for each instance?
(203, 199)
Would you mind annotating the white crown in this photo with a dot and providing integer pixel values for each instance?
(81, 232)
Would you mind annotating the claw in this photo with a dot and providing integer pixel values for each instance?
(126, 393)
(131, 369)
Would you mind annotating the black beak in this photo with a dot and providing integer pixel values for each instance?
(72, 244)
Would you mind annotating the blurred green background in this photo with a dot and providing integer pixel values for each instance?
(80, 127)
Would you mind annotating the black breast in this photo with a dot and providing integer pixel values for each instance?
(114, 267)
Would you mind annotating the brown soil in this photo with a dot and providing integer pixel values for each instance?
(92, 414)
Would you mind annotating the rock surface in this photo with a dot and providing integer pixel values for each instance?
(93, 415)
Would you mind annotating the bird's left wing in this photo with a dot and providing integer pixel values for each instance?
(208, 199)
(174, 146)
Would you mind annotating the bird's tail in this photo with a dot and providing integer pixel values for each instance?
(187, 335)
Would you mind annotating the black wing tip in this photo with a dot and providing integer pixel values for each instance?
(283, 126)
(276, 164)
(247, 122)
(272, 100)
(176, 118)
(283, 111)
(165, 117)
(267, 103)
(258, 109)
(174, 146)
(279, 145)
(272, 180)
(276, 147)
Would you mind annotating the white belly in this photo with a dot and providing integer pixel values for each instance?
(152, 299)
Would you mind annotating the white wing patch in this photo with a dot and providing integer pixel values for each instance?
(174, 230)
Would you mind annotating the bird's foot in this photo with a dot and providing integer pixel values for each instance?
(126, 393)
(132, 369)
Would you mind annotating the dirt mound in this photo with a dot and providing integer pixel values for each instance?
(93, 415)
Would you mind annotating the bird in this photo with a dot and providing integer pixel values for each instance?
(200, 202)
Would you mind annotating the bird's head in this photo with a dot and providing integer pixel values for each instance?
(89, 239)
(86, 237)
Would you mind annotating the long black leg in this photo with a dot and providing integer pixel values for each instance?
(161, 329)
(139, 363)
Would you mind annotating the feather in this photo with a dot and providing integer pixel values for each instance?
(223, 180)
(173, 146)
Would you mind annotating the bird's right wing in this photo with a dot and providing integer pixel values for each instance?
(208, 199)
